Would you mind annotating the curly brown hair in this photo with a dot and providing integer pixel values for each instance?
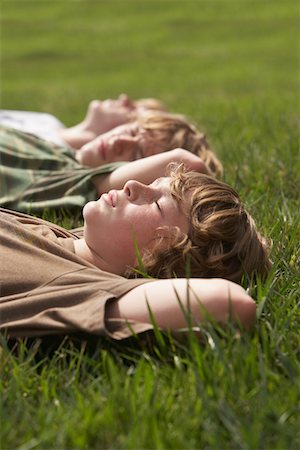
(223, 240)
(173, 131)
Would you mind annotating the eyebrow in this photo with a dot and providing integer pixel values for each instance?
(177, 202)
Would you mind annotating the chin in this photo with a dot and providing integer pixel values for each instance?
(88, 209)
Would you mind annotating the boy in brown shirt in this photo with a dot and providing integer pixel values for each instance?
(53, 282)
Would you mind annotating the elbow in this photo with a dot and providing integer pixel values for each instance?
(239, 307)
(244, 311)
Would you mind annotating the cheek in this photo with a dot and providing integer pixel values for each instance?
(122, 113)
(144, 225)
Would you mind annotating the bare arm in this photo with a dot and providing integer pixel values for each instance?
(146, 170)
(218, 298)
(76, 136)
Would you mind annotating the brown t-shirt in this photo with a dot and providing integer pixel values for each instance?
(45, 288)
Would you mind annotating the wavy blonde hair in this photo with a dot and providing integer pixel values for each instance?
(150, 103)
(173, 131)
(223, 240)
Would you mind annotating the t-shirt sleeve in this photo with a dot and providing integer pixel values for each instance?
(46, 289)
(73, 302)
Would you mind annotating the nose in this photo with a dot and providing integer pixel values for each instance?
(126, 101)
(136, 191)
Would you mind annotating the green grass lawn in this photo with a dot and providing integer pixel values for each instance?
(232, 66)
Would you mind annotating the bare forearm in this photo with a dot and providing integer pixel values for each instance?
(75, 137)
(201, 299)
(146, 170)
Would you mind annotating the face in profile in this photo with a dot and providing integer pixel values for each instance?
(122, 103)
(107, 114)
(127, 142)
(104, 115)
(137, 213)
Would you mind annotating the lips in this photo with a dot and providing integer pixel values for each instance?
(110, 198)
(113, 197)
(102, 150)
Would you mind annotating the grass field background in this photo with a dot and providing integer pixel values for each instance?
(233, 67)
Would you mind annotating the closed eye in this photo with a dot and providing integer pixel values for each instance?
(157, 204)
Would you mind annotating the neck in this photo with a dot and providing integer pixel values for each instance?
(84, 251)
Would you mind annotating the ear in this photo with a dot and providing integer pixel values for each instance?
(164, 233)
(167, 237)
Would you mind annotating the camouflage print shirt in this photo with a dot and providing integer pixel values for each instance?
(38, 175)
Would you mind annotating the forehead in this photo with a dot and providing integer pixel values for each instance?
(166, 185)
(179, 206)
(163, 183)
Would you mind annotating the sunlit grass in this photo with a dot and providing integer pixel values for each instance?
(233, 67)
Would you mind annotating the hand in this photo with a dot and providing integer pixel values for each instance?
(146, 170)
(190, 160)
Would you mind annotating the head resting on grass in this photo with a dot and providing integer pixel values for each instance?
(222, 241)
(149, 104)
(151, 132)
(171, 131)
